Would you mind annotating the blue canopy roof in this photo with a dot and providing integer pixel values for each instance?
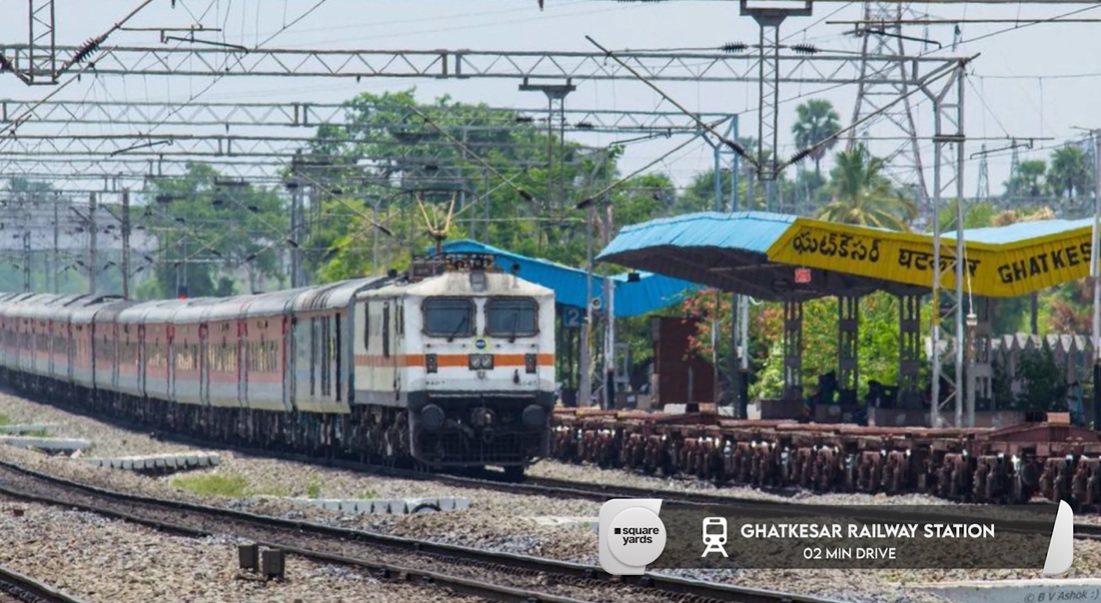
(750, 231)
(651, 291)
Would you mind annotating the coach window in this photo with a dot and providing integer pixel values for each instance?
(512, 317)
(386, 329)
(448, 317)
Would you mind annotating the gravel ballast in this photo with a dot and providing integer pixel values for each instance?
(496, 521)
(98, 559)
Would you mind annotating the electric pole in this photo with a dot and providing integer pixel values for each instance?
(125, 243)
(1095, 273)
(56, 250)
(92, 244)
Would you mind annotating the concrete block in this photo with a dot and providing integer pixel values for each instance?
(330, 504)
(348, 506)
(461, 504)
(51, 444)
(23, 428)
(565, 522)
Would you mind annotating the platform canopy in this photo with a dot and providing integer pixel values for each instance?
(633, 296)
(779, 257)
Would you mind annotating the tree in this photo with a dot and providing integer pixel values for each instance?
(877, 342)
(1029, 180)
(863, 196)
(208, 227)
(1045, 386)
(817, 121)
(521, 202)
(1070, 175)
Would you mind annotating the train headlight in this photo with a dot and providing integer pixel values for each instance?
(480, 362)
(431, 363)
(531, 362)
(534, 417)
(432, 417)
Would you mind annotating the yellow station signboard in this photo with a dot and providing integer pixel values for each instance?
(1005, 270)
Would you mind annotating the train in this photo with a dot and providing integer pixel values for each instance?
(1048, 457)
(447, 366)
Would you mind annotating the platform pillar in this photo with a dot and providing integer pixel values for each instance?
(848, 340)
(793, 350)
(979, 371)
(909, 351)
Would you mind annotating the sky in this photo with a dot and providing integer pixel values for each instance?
(1027, 81)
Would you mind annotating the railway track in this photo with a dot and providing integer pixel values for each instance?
(20, 588)
(475, 572)
(532, 486)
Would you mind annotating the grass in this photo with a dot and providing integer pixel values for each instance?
(5, 419)
(368, 494)
(36, 433)
(313, 490)
(212, 485)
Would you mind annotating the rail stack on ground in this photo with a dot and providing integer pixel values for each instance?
(1008, 465)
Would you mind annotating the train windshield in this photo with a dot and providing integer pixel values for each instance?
(448, 317)
(512, 317)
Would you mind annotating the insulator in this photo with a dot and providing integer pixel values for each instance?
(734, 47)
(89, 47)
(803, 48)
(801, 155)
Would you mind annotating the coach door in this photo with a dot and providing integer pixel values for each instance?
(204, 367)
(170, 358)
(140, 353)
(70, 350)
(242, 362)
(288, 361)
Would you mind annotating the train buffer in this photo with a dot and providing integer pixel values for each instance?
(1032, 591)
(159, 463)
(54, 445)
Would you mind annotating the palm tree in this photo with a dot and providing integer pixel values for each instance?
(1028, 182)
(863, 196)
(816, 122)
(1070, 172)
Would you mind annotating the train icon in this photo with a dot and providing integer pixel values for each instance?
(714, 536)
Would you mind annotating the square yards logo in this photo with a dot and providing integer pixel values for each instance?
(631, 535)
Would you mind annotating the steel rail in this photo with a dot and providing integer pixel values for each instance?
(25, 588)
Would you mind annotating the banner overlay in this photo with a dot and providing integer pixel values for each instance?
(857, 537)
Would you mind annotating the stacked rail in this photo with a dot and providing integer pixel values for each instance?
(1010, 465)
